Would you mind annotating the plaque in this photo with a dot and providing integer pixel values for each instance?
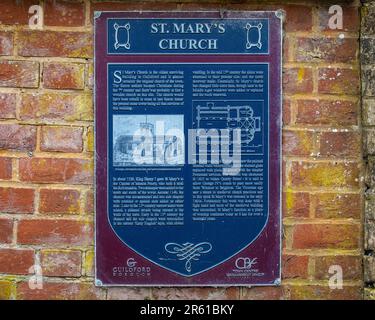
(188, 148)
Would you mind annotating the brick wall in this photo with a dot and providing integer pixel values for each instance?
(368, 121)
(46, 156)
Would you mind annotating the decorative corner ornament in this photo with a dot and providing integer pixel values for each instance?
(253, 28)
(188, 251)
(118, 28)
(97, 14)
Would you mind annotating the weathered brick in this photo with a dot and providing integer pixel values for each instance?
(6, 43)
(53, 106)
(89, 206)
(297, 80)
(15, 12)
(5, 168)
(64, 13)
(195, 293)
(55, 44)
(323, 174)
(368, 82)
(59, 201)
(60, 291)
(338, 236)
(337, 205)
(368, 19)
(89, 263)
(296, 204)
(317, 292)
(369, 269)
(340, 144)
(16, 200)
(90, 139)
(263, 293)
(370, 235)
(369, 141)
(298, 143)
(326, 50)
(64, 139)
(351, 19)
(294, 266)
(23, 74)
(339, 81)
(129, 294)
(287, 112)
(6, 230)
(63, 75)
(16, 261)
(370, 172)
(54, 232)
(326, 112)
(50, 170)
(6, 289)
(61, 263)
(351, 267)
(368, 112)
(17, 137)
(367, 51)
(7, 105)
(370, 206)
(369, 293)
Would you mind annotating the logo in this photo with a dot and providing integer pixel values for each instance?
(131, 263)
(245, 263)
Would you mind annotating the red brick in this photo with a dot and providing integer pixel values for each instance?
(351, 19)
(64, 139)
(50, 170)
(298, 143)
(316, 292)
(340, 144)
(195, 293)
(263, 293)
(89, 208)
(5, 168)
(54, 232)
(297, 80)
(16, 200)
(326, 50)
(60, 291)
(6, 43)
(129, 293)
(322, 174)
(57, 263)
(6, 230)
(7, 105)
(64, 13)
(325, 236)
(51, 106)
(17, 137)
(287, 112)
(294, 266)
(326, 112)
(351, 267)
(333, 205)
(298, 18)
(16, 261)
(339, 81)
(59, 201)
(55, 44)
(23, 74)
(296, 204)
(63, 75)
(15, 12)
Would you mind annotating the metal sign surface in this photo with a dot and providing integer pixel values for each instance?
(188, 130)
